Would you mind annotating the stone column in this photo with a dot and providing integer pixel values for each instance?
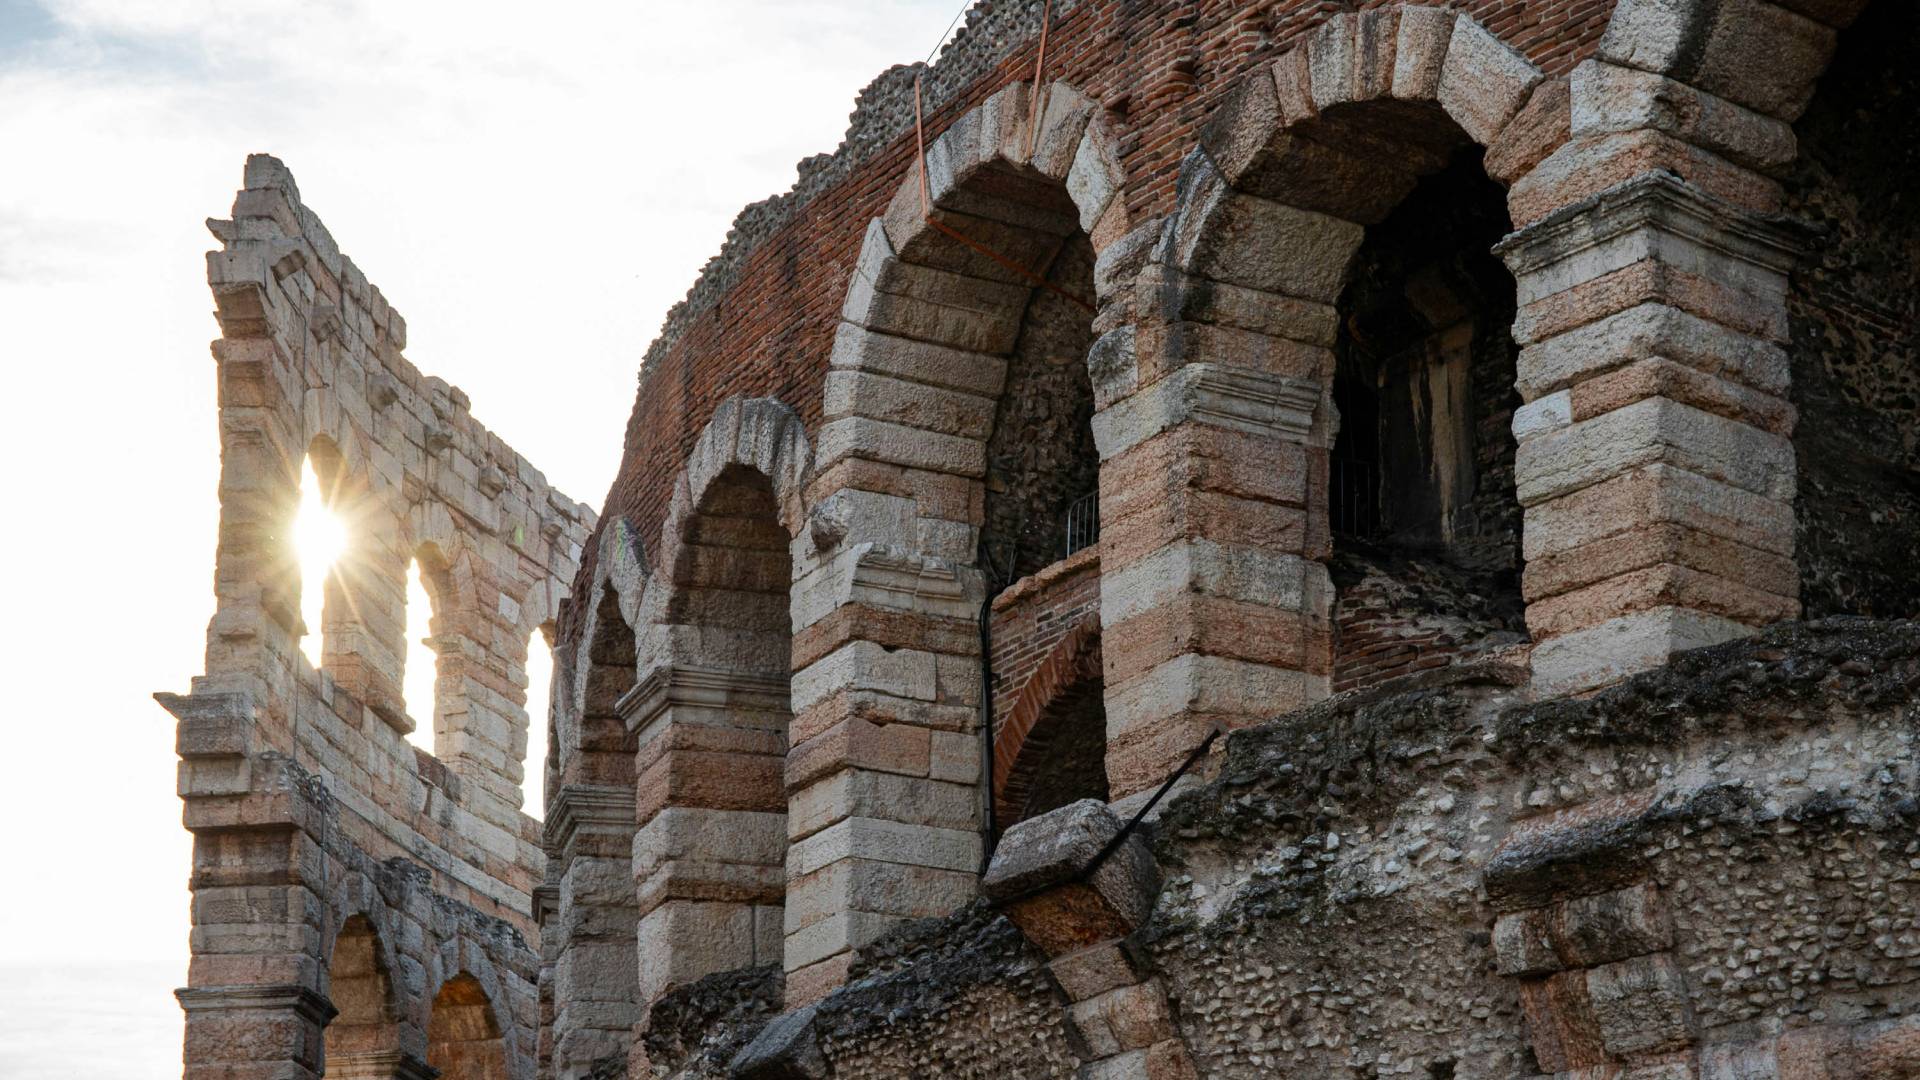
(709, 856)
(591, 828)
(883, 777)
(1654, 465)
(1214, 427)
(252, 998)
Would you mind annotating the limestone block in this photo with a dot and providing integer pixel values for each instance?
(1608, 98)
(837, 933)
(909, 892)
(1622, 646)
(1420, 52)
(1063, 121)
(682, 940)
(1651, 330)
(1654, 586)
(1185, 298)
(1522, 945)
(1657, 494)
(1611, 926)
(885, 841)
(1649, 431)
(1483, 83)
(855, 743)
(1212, 626)
(1838, 14)
(954, 756)
(1094, 177)
(1541, 126)
(1764, 57)
(719, 836)
(1655, 377)
(1641, 1005)
(1125, 1018)
(1583, 168)
(1095, 970)
(1238, 136)
(877, 440)
(1215, 394)
(1649, 545)
(1543, 415)
(1272, 579)
(1044, 871)
(1253, 242)
(1350, 57)
(949, 412)
(786, 1049)
(857, 348)
(1652, 35)
(864, 665)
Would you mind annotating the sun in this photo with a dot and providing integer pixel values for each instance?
(319, 539)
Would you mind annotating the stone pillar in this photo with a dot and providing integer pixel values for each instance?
(1214, 427)
(1079, 904)
(591, 828)
(252, 1000)
(1654, 464)
(709, 856)
(883, 812)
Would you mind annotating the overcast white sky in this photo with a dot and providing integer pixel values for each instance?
(532, 185)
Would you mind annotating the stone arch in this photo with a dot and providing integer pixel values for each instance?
(589, 823)
(1055, 727)
(1215, 446)
(709, 717)
(363, 1040)
(885, 764)
(465, 1039)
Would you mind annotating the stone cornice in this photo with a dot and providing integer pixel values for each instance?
(667, 685)
(886, 578)
(308, 1004)
(578, 806)
(1658, 200)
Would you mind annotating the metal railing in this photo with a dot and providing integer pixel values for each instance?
(1353, 498)
(1083, 523)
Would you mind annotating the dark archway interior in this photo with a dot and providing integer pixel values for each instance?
(358, 987)
(1421, 494)
(1064, 758)
(612, 657)
(1854, 309)
(463, 1035)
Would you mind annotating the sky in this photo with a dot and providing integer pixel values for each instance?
(531, 185)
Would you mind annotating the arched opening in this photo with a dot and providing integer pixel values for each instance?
(1043, 469)
(1424, 517)
(464, 1040)
(319, 540)
(710, 731)
(363, 1034)
(539, 709)
(1854, 317)
(1051, 746)
(420, 668)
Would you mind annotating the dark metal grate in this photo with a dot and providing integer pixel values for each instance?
(1083, 523)
(1354, 498)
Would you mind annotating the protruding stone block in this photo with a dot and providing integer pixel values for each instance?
(1045, 872)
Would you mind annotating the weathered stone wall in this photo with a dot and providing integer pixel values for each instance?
(1703, 872)
(1856, 317)
(308, 806)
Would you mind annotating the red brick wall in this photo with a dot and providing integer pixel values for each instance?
(1031, 617)
(1160, 67)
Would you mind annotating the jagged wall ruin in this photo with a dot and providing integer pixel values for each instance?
(360, 907)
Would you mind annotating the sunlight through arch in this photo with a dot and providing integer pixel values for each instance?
(418, 679)
(319, 539)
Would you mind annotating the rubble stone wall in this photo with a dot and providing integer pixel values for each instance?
(309, 807)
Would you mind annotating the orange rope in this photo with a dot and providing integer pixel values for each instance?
(1039, 65)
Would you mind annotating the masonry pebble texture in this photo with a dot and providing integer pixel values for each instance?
(1495, 656)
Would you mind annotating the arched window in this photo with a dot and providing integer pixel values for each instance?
(539, 669)
(319, 540)
(421, 670)
(363, 1032)
(463, 1034)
